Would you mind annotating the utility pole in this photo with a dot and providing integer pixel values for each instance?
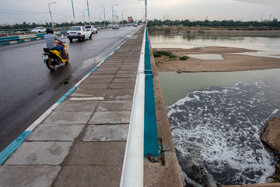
(104, 14)
(73, 11)
(51, 13)
(88, 13)
(84, 15)
(146, 12)
(116, 15)
(113, 12)
(168, 20)
(122, 16)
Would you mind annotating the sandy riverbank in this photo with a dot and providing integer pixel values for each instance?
(230, 62)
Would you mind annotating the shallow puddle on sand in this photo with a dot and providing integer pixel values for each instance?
(206, 56)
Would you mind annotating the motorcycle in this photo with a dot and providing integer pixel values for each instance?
(54, 57)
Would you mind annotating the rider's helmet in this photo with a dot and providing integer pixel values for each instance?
(49, 30)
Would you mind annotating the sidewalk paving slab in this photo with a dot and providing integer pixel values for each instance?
(106, 133)
(89, 93)
(119, 94)
(97, 176)
(56, 132)
(93, 86)
(77, 106)
(119, 105)
(97, 80)
(105, 71)
(40, 153)
(123, 85)
(94, 76)
(28, 176)
(59, 117)
(111, 117)
(126, 75)
(97, 153)
(122, 80)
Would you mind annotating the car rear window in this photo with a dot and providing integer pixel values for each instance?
(75, 28)
(87, 26)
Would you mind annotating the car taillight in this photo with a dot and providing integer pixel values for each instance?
(67, 33)
(79, 33)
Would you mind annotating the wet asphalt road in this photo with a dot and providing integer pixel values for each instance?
(28, 88)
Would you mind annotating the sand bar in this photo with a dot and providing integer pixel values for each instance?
(231, 60)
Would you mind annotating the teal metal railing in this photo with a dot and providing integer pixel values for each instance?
(150, 122)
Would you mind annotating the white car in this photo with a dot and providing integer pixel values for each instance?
(115, 26)
(38, 30)
(91, 28)
(78, 32)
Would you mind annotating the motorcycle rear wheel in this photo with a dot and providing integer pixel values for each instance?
(67, 59)
(50, 63)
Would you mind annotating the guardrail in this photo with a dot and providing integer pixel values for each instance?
(25, 31)
(133, 167)
(9, 38)
(25, 38)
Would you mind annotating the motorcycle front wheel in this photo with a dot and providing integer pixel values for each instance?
(50, 63)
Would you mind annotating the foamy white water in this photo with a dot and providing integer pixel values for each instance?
(219, 128)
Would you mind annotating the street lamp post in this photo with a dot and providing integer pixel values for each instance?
(73, 11)
(88, 12)
(146, 11)
(84, 15)
(104, 14)
(51, 13)
(116, 15)
(122, 16)
(113, 12)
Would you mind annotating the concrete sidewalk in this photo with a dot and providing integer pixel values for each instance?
(82, 142)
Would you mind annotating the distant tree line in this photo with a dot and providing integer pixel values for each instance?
(230, 24)
(24, 25)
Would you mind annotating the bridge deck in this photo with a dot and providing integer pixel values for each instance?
(82, 141)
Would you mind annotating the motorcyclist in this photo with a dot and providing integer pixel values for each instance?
(50, 40)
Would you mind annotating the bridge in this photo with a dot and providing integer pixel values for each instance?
(109, 129)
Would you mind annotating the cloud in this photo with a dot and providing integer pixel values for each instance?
(37, 11)
(263, 2)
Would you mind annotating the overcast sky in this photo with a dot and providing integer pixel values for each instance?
(18, 11)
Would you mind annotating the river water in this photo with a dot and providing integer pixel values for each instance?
(216, 118)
